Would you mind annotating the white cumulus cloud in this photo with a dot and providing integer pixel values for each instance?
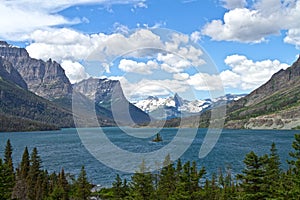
(232, 4)
(24, 16)
(247, 74)
(74, 71)
(138, 67)
(146, 87)
(205, 82)
(252, 25)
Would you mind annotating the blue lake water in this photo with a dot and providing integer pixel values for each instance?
(64, 148)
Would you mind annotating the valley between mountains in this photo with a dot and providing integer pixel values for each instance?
(37, 95)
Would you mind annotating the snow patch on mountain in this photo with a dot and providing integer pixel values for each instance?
(175, 106)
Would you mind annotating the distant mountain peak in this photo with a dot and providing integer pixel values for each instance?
(176, 106)
(178, 100)
(152, 98)
(4, 44)
(46, 79)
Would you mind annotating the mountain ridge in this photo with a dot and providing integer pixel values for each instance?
(108, 94)
(45, 79)
(175, 106)
(274, 105)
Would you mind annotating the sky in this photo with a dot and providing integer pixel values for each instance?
(197, 48)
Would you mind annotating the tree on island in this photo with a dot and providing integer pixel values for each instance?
(158, 138)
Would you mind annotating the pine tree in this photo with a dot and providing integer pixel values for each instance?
(33, 179)
(25, 164)
(142, 187)
(294, 175)
(178, 167)
(20, 190)
(8, 156)
(118, 188)
(166, 186)
(273, 173)
(63, 185)
(183, 186)
(6, 181)
(82, 186)
(253, 177)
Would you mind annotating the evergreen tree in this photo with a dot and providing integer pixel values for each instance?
(8, 156)
(7, 173)
(142, 187)
(178, 167)
(183, 186)
(295, 163)
(273, 173)
(253, 177)
(293, 177)
(166, 186)
(6, 180)
(20, 189)
(82, 186)
(61, 190)
(118, 188)
(33, 180)
(25, 164)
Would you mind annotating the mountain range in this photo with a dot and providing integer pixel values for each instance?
(274, 105)
(175, 106)
(37, 95)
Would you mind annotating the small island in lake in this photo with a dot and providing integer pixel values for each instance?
(158, 138)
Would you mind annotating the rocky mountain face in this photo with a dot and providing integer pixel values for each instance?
(108, 95)
(22, 110)
(45, 79)
(10, 74)
(175, 106)
(274, 105)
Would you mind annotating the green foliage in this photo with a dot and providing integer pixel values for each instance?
(262, 178)
(30, 182)
(6, 181)
(82, 186)
(142, 187)
(23, 110)
(253, 177)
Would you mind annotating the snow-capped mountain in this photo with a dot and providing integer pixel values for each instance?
(175, 106)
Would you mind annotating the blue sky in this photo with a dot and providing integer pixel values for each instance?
(247, 40)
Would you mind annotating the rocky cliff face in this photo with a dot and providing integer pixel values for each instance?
(274, 105)
(46, 79)
(108, 94)
(10, 74)
(281, 80)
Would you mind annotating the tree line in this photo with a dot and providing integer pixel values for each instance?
(261, 178)
(30, 182)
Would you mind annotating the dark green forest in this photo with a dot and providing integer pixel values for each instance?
(261, 178)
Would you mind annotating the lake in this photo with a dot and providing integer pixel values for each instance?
(64, 148)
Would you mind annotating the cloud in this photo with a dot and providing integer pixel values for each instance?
(25, 16)
(253, 25)
(74, 71)
(232, 4)
(246, 74)
(196, 36)
(145, 88)
(205, 82)
(138, 67)
(173, 63)
(120, 28)
(60, 44)
(293, 37)
(173, 56)
(181, 76)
